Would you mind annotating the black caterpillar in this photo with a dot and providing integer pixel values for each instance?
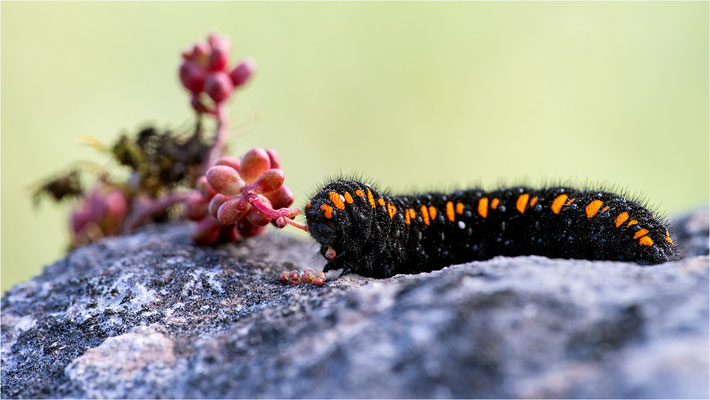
(378, 235)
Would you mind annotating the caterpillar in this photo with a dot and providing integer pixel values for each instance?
(380, 235)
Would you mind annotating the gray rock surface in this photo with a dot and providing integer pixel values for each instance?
(152, 315)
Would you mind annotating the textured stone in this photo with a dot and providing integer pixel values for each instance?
(152, 315)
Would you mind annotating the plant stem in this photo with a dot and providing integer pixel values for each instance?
(220, 139)
(142, 213)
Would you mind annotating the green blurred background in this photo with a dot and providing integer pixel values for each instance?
(424, 95)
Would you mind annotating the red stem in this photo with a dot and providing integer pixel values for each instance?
(220, 139)
(141, 214)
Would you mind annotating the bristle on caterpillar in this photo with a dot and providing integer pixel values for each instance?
(380, 235)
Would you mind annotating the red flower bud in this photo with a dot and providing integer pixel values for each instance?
(295, 278)
(274, 158)
(269, 181)
(221, 47)
(219, 87)
(208, 230)
(246, 229)
(225, 180)
(254, 163)
(319, 279)
(242, 72)
(232, 210)
(284, 277)
(196, 206)
(281, 198)
(230, 162)
(205, 189)
(200, 54)
(192, 76)
(216, 203)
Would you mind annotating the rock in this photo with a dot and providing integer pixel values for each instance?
(152, 315)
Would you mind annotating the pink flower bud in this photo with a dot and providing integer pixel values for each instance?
(308, 276)
(218, 86)
(230, 162)
(225, 180)
(207, 231)
(242, 72)
(295, 278)
(269, 181)
(254, 163)
(232, 210)
(216, 203)
(319, 279)
(284, 277)
(221, 47)
(246, 229)
(192, 76)
(201, 54)
(274, 158)
(281, 198)
(195, 206)
(205, 189)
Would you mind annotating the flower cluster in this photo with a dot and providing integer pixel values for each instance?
(307, 276)
(238, 197)
(205, 69)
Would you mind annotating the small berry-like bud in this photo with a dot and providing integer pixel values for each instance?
(242, 72)
(200, 54)
(221, 47)
(246, 229)
(284, 277)
(216, 203)
(207, 232)
(269, 181)
(257, 218)
(195, 206)
(308, 276)
(218, 86)
(192, 76)
(281, 198)
(319, 279)
(295, 278)
(205, 189)
(274, 158)
(225, 180)
(232, 210)
(254, 163)
(230, 162)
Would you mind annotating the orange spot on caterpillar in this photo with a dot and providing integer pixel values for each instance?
(348, 198)
(370, 198)
(570, 201)
(406, 215)
(328, 210)
(605, 209)
(359, 193)
(308, 205)
(432, 212)
(646, 241)
(391, 210)
(668, 237)
(533, 201)
(640, 233)
(632, 222)
(494, 203)
(522, 202)
(621, 218)
(411, 214)
(558, 203)
(450, 211)
(459, 208)
(381, 202)
(425, 215)
(593, 207)
(337, 202)
(483, 207)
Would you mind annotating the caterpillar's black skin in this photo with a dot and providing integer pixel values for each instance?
(366, 240)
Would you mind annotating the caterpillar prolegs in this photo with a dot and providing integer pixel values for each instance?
(379, 235)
